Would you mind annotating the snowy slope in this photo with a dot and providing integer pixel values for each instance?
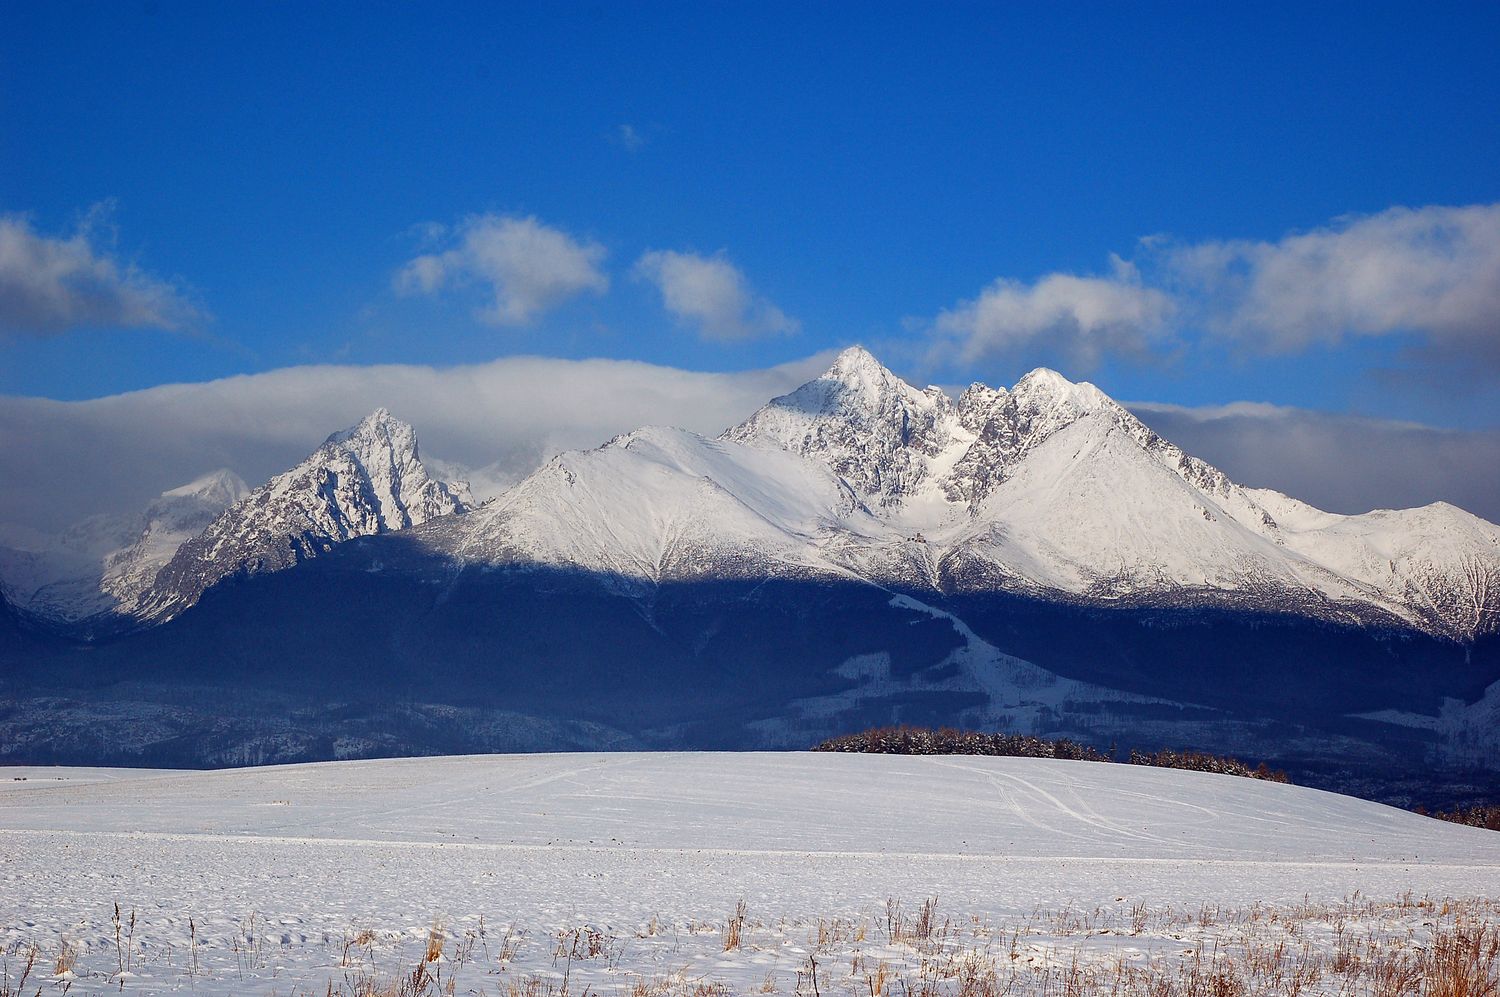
(1061, 863)
(755, 801)
(665, 503)
(1441, 563)
(365, 480)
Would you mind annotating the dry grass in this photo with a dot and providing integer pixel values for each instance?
(1464, 961)
(67, 957)
(17, 987)
(433, 951)
(734, 928)
(1410, 947)
(418, 982)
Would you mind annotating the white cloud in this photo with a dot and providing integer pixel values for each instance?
(1080, 318)
(527, 266)
(49, 285)
(712, 294)
(60, 461)
(1432, 271)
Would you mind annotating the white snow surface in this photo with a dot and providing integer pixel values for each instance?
(277, 867)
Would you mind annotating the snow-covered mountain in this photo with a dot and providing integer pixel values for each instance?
(858, 551)
(1048, 489)
(365, 480)
(103, 563)
(176, 517)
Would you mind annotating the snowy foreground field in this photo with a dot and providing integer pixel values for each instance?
(641, 874)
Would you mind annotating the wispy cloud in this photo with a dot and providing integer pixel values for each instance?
(51, 284)
(711, 295)
(526, 266)
(630, 137)
(1431, 275)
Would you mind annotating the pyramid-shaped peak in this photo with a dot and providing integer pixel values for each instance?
(379, 424)
(1045, 376)
(855, 360)
(378, 420)
(857, 370)
(869, 426)
(1044, 387)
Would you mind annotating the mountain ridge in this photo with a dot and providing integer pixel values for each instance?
(858, 551)
(1048, 488)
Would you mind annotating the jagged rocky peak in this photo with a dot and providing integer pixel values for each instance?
(977, 404)
(1008, 424)
(379, 427)
(364, 480)
(378, 463)
(872, 428)
(1045, 391)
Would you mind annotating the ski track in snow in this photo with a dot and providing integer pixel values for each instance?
(277, 867)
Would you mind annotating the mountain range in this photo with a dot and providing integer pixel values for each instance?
(857, 551)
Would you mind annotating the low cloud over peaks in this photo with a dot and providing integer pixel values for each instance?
(51, 284)
(711, 295)
(525, 266)
(1340, 463)
(60, 461)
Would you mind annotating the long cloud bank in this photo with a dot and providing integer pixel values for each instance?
(1337, 462)
(60, 461)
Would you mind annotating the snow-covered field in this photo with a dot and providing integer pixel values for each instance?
(623, 873)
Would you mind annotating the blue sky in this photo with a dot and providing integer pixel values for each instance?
(248, 187)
